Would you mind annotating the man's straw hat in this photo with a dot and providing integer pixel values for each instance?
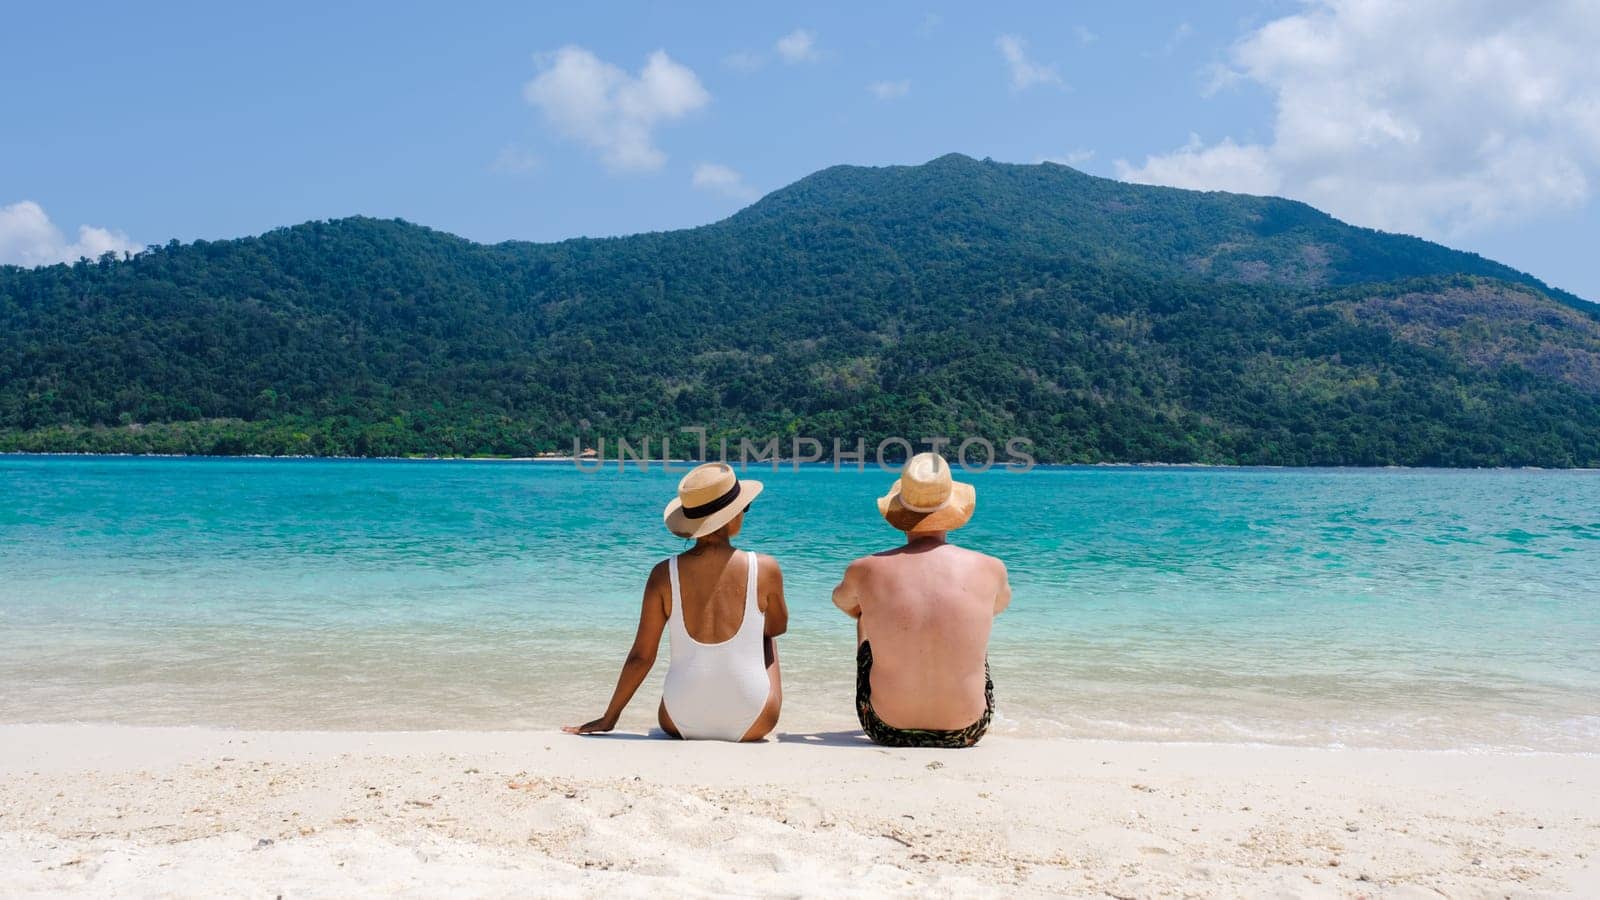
(925, 498)
(709, 497)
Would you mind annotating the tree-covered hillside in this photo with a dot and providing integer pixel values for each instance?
(1102, 320)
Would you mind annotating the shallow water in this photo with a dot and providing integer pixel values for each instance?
(1405, 608)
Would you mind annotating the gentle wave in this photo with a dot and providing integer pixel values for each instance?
(1316, 608)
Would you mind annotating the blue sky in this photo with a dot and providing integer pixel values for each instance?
(133, 124)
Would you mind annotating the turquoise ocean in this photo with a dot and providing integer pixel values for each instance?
(1393, 608)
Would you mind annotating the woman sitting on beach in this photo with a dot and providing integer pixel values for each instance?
(725, 608)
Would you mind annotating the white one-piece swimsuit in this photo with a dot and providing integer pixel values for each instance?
(716, 691)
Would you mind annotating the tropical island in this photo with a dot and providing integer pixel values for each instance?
(1105, 321)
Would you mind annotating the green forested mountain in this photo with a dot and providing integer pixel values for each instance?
(1105, 321)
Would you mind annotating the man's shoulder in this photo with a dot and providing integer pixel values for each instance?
(975, 554)
(981, 560)
(862, 563)
(869, 563)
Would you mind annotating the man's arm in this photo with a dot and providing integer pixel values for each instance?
(1002, 599)
(847, 596)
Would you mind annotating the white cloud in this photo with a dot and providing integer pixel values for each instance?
(1216, 78)
(1179, 35)
(722, 180)
(889, 90)
(514, 161)
(744, 61)
(1070, 158)
(930, 24)
(1084, 35)
(1437, 117)
(590, 100)
(1226, 166)
(799, 45)
(29, 238)
(1025, 73)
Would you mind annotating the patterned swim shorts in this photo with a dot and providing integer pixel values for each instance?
(883, 733)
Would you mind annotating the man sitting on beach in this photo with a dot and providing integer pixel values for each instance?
(923, 613)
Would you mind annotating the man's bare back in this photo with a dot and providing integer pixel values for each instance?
(926, 608)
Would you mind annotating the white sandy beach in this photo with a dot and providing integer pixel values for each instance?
(124, 812)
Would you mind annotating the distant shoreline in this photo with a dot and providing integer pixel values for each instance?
(611, 464)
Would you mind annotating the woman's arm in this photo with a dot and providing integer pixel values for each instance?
(642, 656)
(774, 606)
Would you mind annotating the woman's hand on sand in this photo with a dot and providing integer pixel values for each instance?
(595, 727)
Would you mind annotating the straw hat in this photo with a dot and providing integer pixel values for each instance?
(709, 497)
(925, 498)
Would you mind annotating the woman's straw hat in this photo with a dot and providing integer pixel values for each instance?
(925, 498)
(709, 497)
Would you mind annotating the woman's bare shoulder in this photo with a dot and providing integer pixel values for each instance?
(659, 574)
(767, 566)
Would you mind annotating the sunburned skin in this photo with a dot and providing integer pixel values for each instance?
(926, 607)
